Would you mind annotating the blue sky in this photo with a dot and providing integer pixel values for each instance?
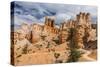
(30, 12)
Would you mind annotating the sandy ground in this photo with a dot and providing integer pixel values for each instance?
(49, 58)
(93, 54)
(89, 56)
(41, 58)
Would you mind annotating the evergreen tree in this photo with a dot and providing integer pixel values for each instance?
(74, 53)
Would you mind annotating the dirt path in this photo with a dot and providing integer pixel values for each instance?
(85, 56)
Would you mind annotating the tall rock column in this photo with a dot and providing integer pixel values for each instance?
(78, 36)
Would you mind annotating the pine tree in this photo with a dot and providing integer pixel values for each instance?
(74, 53)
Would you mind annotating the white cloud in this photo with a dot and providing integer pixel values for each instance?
(37, 11)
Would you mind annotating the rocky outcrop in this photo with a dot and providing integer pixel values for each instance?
(36, 32)
(53, 42)
(49, 26)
